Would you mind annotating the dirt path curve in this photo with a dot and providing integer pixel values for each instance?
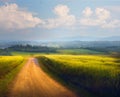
(33, 82)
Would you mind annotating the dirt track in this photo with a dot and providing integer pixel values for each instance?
(33, 82)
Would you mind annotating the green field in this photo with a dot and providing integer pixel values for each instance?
(78, 51)
(9, 67)
(27, 54)
(59, 51)
(89, 75)
(24, 53)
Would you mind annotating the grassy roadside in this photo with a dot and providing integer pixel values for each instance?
(8, 78)
(90, 76)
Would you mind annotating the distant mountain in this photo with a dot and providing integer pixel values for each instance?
(106, 42)
(113, 38)
(85, 38)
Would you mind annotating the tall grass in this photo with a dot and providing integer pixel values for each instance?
(9, 67)
(98, 75)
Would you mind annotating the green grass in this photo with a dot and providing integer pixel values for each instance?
(27, 54)
(78, 51)
(59, 51)
(9, 67)
(24, 53)
(89, 75)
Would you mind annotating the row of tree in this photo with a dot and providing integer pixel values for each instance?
(30, 48)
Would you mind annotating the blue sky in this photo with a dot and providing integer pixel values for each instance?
(59, 19)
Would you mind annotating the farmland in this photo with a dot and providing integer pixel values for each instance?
(78, 51)
(89, 71)
(90, 75)
(59, 48)
(9, 67)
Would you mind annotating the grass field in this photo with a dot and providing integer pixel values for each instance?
(78, 51)
(27, 54)
(95, 75)
(9, 67)
(24, 53)
(90, 75)
(59, 51)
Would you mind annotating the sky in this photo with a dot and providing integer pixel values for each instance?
(46, 20)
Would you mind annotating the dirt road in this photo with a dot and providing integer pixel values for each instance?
(33, 82)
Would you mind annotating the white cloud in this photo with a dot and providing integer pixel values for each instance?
(112, 24)
(61, 10)
(100, 17)
(13, 17)
(91, 22)
(114, 9)
(102, 13)
(87, 12)
(63, 18)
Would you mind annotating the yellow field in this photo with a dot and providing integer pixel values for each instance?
(87, 61)
(9, 67)
(99, 74)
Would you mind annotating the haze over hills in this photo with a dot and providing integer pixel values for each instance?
(112, 38)
(73, 42)
(86, 38)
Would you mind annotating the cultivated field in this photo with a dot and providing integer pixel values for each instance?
(90, 75)
(78, 51)
(9, 67)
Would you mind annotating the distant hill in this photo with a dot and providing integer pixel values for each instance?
(63, 44)
(114, 38)
(86, 38)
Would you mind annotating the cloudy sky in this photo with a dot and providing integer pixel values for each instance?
(59, 19)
